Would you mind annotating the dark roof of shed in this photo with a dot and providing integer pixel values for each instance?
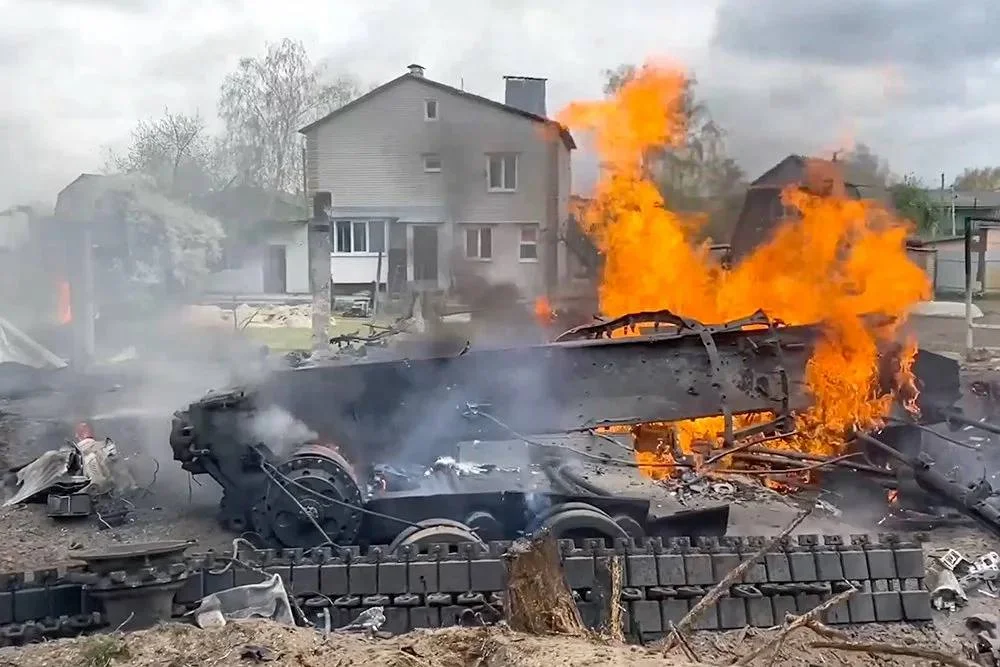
(567, 138)
(249, 205)
(809, 171)
(762, 207)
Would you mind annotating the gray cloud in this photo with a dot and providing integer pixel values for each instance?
(911, 78)
(914, 79)
(861, 32)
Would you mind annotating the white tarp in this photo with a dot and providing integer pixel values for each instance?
(268, 599)
(92, 464)
(16, 346)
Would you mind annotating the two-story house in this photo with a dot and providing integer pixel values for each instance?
(443, 184)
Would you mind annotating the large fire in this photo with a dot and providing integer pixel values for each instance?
(839, 259)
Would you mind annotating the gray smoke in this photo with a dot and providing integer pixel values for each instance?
(279, 429)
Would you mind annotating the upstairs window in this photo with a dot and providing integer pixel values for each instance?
(430, 109)
(528, 250)
(479, 243)
(501, 173)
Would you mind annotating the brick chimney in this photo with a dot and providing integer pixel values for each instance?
(415, 69)
(526, 93)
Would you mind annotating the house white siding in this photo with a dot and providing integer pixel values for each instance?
(374, 159)
(248, 278)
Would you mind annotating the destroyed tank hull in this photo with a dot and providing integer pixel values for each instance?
(358, 416)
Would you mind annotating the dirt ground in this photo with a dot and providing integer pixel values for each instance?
(253, 642)
(178, 645)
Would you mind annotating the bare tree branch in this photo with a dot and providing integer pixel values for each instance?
(265, 102)
(173, 151)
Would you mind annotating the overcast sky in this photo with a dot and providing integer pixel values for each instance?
(914, 79)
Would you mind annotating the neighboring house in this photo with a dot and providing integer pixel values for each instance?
(444, 184)
(266, 249)
(968, 203)
(763, 209)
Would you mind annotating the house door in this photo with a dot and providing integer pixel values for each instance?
(275, 270)
(425, 254)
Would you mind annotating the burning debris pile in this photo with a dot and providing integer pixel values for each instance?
(836, 263)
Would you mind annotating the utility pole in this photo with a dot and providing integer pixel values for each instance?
(940, 211)
(319, 270)
(954, 229)
(968, 283)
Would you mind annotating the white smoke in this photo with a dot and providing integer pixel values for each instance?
(279, 429)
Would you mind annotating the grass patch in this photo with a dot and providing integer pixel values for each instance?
(285, 339)
(103, 651)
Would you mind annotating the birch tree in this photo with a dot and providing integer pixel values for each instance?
(174, 152)
(265, 101)
(696, 176)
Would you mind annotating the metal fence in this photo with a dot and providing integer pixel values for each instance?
(950, 274)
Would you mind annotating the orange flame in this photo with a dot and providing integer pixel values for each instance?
(543, 311)
(833, 260)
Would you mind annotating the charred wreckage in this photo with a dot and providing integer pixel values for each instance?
(370, 477)
(399, 483)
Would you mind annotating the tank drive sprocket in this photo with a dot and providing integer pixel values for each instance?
(316, 480)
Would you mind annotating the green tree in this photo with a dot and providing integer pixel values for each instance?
(265, 102)
(913, 202)
(696, 176)
(174, 152)
(150, 247)
(978, 178)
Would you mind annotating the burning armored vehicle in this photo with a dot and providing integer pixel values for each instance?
(488, 444)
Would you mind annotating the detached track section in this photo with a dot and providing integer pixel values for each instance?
(431, 588)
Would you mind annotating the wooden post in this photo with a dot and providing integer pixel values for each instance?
(319, 271)
(378, 278)
(82, 296)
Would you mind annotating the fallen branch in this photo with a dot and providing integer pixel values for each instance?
(893, 649)
(799, 621)
(722, 587)
(820, 628)
(682, 641)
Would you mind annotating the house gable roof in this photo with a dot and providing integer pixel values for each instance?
(567, 138)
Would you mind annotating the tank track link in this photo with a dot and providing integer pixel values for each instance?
(663, 579)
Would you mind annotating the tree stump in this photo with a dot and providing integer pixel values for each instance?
(607, 595)
(538, 600)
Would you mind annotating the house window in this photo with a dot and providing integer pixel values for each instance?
(529, 243)
(479, 243)
(359, 236)
(430, 109)
(502, 173)
(432, 163)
